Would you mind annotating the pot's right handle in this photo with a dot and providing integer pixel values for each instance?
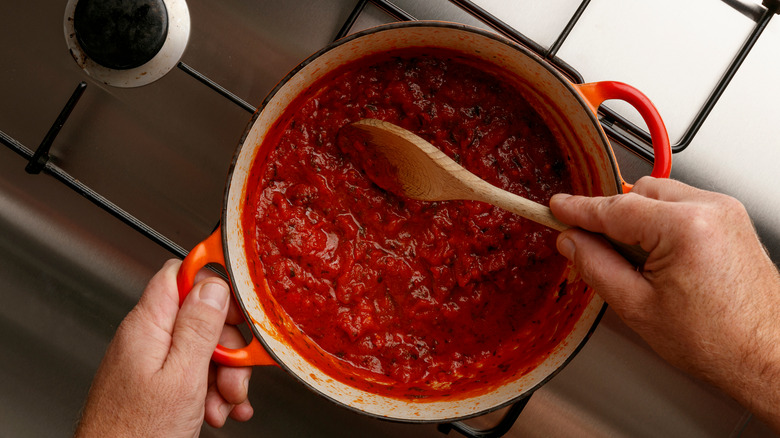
(598, 92)
(210, 251)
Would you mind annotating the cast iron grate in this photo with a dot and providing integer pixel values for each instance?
(616, 126)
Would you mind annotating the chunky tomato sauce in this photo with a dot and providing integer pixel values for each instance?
(408, 298)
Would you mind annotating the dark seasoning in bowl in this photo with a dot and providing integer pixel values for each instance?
(413, 299)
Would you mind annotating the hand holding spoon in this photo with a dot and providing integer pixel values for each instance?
(416, 169)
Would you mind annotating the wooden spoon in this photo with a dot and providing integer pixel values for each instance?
(419, 170)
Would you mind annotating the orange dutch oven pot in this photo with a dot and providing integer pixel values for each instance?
(570, 111)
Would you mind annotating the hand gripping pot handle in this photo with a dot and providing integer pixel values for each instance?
(598, 92)
(210, 251)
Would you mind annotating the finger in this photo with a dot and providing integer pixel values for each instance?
(242, 412)
(233, 382)
(664, 189)
(160, 299)
(610, 275)
(199, 325)
(154, 316)
(235, 316)
(216, 409)
(621, 217)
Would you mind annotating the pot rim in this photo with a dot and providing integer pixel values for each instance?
(586, 107)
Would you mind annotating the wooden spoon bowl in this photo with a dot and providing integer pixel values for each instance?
(416, 169)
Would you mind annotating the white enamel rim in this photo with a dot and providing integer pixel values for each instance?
(561, 104)
(165, 60)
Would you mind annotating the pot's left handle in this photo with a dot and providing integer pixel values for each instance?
(210, 251)
(598, 92)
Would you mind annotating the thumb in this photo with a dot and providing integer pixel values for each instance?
(199, 325)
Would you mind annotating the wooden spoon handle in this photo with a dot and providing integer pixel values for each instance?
(523, 207)
(542, 214)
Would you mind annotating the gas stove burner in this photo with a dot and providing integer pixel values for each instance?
(121, 34)
(127, 43)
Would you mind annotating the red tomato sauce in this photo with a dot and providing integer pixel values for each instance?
(413, 299)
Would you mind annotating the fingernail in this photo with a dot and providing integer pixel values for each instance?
(214, 294)
(566, 247)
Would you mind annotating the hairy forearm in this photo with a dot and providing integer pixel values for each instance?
(758, 385)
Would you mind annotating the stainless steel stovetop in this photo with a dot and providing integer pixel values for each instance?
(70, 271)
